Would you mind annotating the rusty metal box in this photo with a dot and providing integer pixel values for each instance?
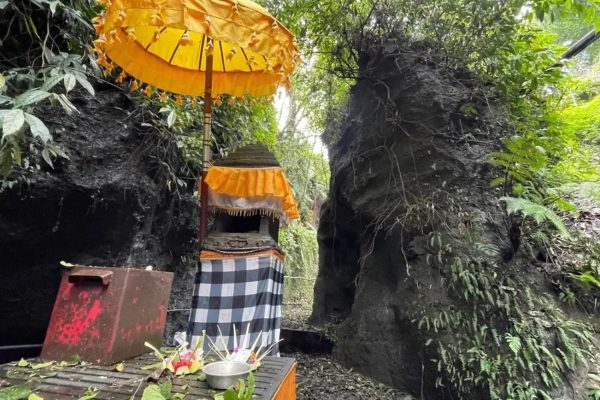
(104, 315)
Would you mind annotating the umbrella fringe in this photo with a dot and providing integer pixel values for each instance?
(246, 212)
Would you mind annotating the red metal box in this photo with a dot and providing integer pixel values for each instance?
(104, 315)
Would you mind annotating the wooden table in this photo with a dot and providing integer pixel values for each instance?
(275, 380)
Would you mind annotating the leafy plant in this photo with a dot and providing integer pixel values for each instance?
(514, 342)
(586, 278)
(241, 392)
(536, 211)
(17, 392)
(299, 242)
(533, 364)
(161, 391)
(89, 394)
(23, 88)
(594, 392)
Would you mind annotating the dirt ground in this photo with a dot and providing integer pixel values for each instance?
(295, 315)
(319, 377)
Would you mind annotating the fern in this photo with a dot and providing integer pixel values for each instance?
(514, 342)
(586, 278)
(536, 211)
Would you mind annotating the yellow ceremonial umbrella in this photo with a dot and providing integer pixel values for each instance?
(196, 48)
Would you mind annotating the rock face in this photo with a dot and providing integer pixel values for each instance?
(410, 189)
(108, 205)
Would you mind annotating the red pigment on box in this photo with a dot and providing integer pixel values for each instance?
(70, 328)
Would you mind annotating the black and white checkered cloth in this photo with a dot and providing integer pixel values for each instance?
(245, 290)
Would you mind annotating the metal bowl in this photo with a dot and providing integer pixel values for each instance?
(224, 374)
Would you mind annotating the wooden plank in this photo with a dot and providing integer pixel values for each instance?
(70, 382)
(286, 365)
(61, 389)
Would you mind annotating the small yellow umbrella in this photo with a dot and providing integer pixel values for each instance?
(197, 48)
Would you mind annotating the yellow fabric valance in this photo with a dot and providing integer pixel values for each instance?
(253, 183)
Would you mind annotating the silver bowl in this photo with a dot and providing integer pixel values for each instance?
(224, 374)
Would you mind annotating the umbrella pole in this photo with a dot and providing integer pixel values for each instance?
(206, 142)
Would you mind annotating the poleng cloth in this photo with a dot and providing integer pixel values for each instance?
(243, 291)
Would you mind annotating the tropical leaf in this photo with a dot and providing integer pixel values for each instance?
(52, 81)
(12, 122)
(171, 118)
(38, 128)
(82, 80)
(165, 389)
(31, 97)
(46, 157)
(70, 82)
(65, 103)
(153, 392)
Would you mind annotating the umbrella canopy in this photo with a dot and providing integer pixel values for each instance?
(167, 44)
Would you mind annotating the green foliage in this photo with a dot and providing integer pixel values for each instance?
(299, 242)
(89, 394)
(17, 392)
(264, 125)
(42, 87)
(26, 84)
(514, 342)
(555, 121)
(241, 392)
(236, 122)
(308, 173)
(178, 123)
(161, 391)
(553, 118)
(466, 32)
(536, 211)
(581, 283)
(321, 84)
(568, 29)
(541, 344)
(594, 391)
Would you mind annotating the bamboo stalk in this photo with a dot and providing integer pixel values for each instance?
(206, 154)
